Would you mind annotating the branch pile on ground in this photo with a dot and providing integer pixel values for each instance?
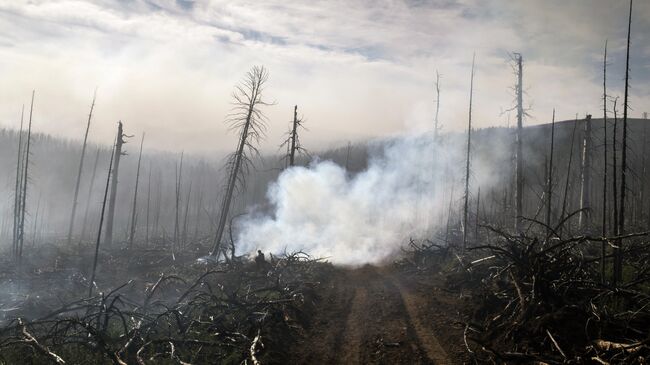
(228, 314)
(539, 298)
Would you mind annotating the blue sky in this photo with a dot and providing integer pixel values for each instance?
(357, 69)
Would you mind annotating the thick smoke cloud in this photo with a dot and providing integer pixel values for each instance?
(364, 218)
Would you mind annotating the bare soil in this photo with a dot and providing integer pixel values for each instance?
(379, 315)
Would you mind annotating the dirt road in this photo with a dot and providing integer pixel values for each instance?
(376, 316)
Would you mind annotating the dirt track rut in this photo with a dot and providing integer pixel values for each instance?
(368, 316)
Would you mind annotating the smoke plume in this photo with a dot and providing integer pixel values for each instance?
(365, 218)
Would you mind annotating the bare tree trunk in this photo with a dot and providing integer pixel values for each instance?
(179, 176)
(187, 209)
(294, 133)
(25, 179)
(603, 245)
(618, 272)
(111, 203)
(585, 186)
(519, 192)
(478, 205)
(615, 167)
(146, 237)
(135, 196)
(467, 165)
(89, 198)
(568, 170)
(250, 119)
(101, 216)
(549, 186)
(436, 127)
(19, 185)
(81, 165)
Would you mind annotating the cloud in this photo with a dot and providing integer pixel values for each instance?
(356, 69)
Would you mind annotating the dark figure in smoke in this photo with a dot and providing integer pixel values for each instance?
(260, 261)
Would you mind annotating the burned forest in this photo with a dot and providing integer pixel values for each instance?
(398, 182)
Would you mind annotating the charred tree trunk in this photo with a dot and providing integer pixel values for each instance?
(568, 170)
(549, 186)
(519, 173)
(91, 284)
(618, 266)
(146, 236)
(248, 97)
(294, 134)
(25, 179)
(81, 166)
(18, 188)
(90, 193)
(113, 197)
(135, 196)
(467, 164)
(179, 177)
(436, 126)
(187, 209)
(603, 246)
(585, 179)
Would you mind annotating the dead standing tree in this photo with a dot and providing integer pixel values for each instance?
(24, 181)
(549, 186)
(436, 126)
(135, 196)
(248, 118)
(90, 194)
(81, 166)
(292, 142)
(111, 203)
(618, 258)
(585, 177)
(18, 190)
(519, 173)
(603, 247)
(467, 165)
(91, 284)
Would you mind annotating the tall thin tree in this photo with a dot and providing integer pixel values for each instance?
(114, 181)
(603, 246)
(519, 173)
(18, 189)
(468, 157)
(618, 265)
(25, 179)
(91, 283)
(134, 210)
(248, 118)
(89, 197)
(549, 186)
(79, 171)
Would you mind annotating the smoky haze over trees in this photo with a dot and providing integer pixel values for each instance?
(531, 238)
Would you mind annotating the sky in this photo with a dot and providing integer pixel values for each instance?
(357, 69)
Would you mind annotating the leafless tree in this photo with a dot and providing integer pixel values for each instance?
(585, 178)
(19, 186)
(114, 181)
(618, 264)
(91, 283)
(25, 179)
(467, 165)
(88, 199)
(251, 122)
(135, 196)
(81, 166)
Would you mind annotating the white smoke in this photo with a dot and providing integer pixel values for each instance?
(358, 219)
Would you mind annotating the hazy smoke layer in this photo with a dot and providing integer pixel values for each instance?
(357, 219)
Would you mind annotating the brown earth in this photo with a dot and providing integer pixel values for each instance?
(374, 315)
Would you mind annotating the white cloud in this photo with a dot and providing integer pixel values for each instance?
(355, 68)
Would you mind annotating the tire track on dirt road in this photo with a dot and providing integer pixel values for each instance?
(367, 316)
